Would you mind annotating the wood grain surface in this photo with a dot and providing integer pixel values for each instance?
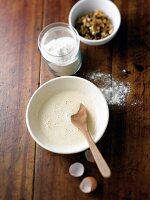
(27, 171)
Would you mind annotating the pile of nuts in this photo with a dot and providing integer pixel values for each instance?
(94, 25)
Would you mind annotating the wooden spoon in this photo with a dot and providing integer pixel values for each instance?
(80, 121)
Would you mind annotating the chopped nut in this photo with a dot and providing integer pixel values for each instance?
(94, 25)
(110, 31)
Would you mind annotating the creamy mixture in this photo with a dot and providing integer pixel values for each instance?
(55, 119)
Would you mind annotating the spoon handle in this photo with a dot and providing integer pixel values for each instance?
(101, 163)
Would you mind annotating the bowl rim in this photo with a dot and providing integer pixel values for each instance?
(109, 37)
(48, 82)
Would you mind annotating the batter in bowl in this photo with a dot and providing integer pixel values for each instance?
(55, 122)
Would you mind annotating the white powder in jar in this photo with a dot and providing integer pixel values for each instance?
(62, 55)
(60, 47)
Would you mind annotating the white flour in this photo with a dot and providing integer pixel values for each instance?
(60, 47)
(62, 55)
(115, 92)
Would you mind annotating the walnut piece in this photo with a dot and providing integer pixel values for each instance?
(94, 25)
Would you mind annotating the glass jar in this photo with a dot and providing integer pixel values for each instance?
(60, 47)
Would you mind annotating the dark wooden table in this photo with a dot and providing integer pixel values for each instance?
(27, 171)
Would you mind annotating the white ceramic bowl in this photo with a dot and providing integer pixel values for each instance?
(65, 142)
(83, 7)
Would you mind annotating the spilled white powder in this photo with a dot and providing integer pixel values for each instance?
(115, 91)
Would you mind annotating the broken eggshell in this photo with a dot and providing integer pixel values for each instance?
(88, 184)
(76, 169)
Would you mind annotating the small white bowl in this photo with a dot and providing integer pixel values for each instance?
(58, 139)
(85, 6)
